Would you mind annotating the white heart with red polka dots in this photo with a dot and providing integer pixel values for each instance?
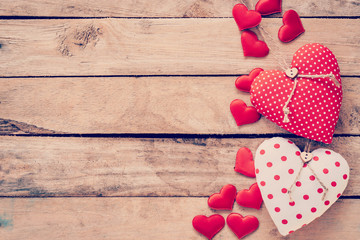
(277, 167)
(315, 106)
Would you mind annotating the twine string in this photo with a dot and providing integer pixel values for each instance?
(286, 109)
(307, 150)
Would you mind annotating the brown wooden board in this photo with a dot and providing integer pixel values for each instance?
(151, 218)
(169, 8)
(46, 166)
(197, 46)
(191, 105)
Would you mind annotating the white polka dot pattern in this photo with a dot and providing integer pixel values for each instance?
(277, 164)
(315, 106)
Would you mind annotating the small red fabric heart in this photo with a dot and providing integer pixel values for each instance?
(242, 113)
(267, 7)
(243, 83)
(240, 225)
(315, 106)
(244, 162)
(223, 200)
(245, 18)
(208, 226)
(292, 26)
(250, 198)
(252, 46)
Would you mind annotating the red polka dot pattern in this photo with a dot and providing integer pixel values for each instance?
(316, 158)
(315, 106)
(306, 202)
(283, 158)
(277, 145)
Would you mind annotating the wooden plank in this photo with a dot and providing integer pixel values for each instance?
(40, 166)
(139, 105)
(160, 8)
(135, 218)
(73, 47)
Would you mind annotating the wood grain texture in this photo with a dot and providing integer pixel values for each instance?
(139, 105)
(82, 47)
(129, 218)
(41, 166)
(161, 8)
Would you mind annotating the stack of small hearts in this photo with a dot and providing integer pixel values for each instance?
(246, 19)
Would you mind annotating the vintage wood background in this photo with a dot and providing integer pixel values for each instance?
(115, 121)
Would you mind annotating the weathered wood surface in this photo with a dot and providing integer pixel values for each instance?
(40, 166)
(129, 218)
(82, 47)
(139, 105)
(168, 8)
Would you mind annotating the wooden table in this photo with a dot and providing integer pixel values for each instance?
(115, 120)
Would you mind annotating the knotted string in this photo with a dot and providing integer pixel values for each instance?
(286, 109)
(307, 164)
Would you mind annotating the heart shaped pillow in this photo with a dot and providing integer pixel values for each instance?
(292, 199)
(315, 105)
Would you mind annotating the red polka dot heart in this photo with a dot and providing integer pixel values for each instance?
(295, 199)
(315, 106)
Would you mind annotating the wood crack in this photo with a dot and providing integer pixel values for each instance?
(8, 126)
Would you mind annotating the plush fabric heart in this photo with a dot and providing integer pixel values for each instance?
(223, 200)
(242, 113)
(244, 162)
(240, 225)
(245, 18)
(250, 198)
(278, 164)
(252, 47)
(315, 105)
(243, 83)
(208, 226)
(292, 26)
(267, 7)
